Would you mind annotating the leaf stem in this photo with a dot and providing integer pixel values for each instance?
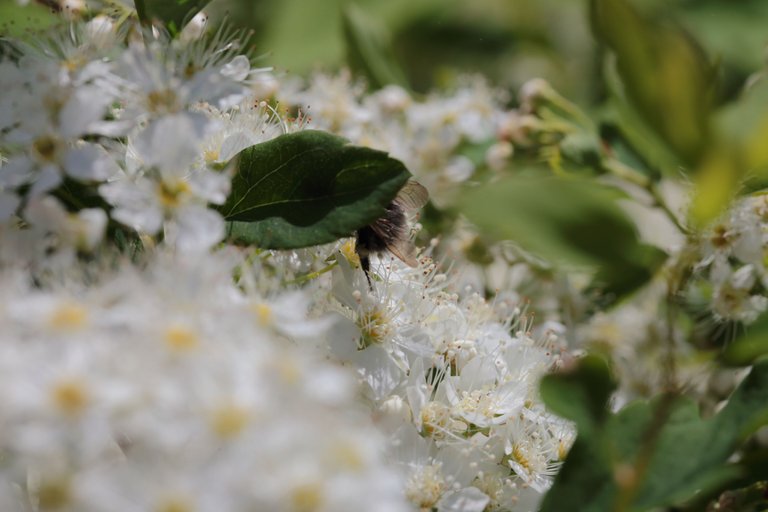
(627, 173)
(313, 275)
(675, 282)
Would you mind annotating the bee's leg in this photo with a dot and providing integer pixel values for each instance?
(365, 263)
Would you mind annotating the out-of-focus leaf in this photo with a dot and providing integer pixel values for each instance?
(565, 221)
(664, 73)
(744, 126)
(642, 138)
(750, 345)
(308, 188)
(301, 34)
(24, 21)
(580, 394)
(617, 281)
(582, 148)
(742, 130)
(174, 14)
(737, 35)
(369, 49)
(716, 182)
(688, 457)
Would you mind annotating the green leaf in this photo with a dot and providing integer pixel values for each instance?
(687, 457)
(742, 128)
(664, 72)
(617, 281)
(581, 393)
(174, 14)
(308, 188)
(369, 49)
(750, 345)
(640, 136)
(300, 34)
(737, 35)
(567, 221)
(25, 21)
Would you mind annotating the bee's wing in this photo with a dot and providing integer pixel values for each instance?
(404, 250)
(395, 239)
(412, 196)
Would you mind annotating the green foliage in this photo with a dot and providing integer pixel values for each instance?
(650, 454)
(174, 14)
(17, 21)
(733, 32)
(369, 50)
(738, 151)
(581, 393)
(665, 73)
(570, 221)
(752, 344)
(308, 188)
(654, 152)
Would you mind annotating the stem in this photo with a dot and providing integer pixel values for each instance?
(629, 174)
(675, 282)
(556, 100)
(625, 172)
(662, 205)
(647, 445)
(313, 275)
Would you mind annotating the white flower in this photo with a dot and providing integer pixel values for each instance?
(50, 137)
(733, 297)
(160, 79)
(158, 387)
(164, 188)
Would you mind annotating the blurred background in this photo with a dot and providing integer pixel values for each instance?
(433, 41)
(509, 41)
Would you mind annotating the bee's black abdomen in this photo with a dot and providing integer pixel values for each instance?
(381, 235)
(368, 242)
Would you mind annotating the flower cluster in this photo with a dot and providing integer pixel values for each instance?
(454, 380)
(171, 388)
(732, 263)
(147, 122)
(190, 377)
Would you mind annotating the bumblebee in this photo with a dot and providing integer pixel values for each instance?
(390, 231)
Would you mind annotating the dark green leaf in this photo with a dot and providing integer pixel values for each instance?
(617, 281)
(369, 49)
(664, 72)
(308, 188)
(580, 394)
(174, 14)
(687, 457)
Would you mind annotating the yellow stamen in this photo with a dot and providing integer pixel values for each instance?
(307, 497)
(171, 193)
(54, 495)
(180, 338)
(70, 396)
(175, 504)
(229, 421)
(68, 317)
